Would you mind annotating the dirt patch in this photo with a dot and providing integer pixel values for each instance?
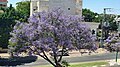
(101, 50)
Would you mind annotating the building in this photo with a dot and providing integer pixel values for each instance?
(92, 25)
(3, 3)
(70, 7)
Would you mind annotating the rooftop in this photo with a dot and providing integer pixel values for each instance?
(3, 0)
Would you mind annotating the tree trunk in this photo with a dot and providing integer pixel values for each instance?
(58, 65)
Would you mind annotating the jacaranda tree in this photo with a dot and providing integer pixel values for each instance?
(113, 44)
(50, 31)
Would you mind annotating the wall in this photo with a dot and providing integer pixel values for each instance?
(3, 3)
(70, 7)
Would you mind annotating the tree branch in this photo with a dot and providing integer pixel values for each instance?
(61, 55)
(55, 57)
(48, 58)
(45, 56)
(38, 53)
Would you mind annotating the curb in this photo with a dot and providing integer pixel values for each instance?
(113, 65)
(106, 66)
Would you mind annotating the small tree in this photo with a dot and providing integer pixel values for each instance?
(23, 8)
(51, 31)
(110, 43)
(113, 44)
(7, 21)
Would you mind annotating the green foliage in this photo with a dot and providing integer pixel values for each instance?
(99, 33)
(11, 44)
(7, 20)
(118, 15)
(23, 8)
(89, 16)
(114, 41)
(88, 64)
(113, 26)
(65, 63)
(5, 28)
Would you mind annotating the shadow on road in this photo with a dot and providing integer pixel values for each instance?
(17, 60)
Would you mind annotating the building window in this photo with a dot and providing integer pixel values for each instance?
(68, 8)
(35, 8)
(4, 5)
(0, 4)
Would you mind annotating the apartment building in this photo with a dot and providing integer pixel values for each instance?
(70, 7)
(3, 3)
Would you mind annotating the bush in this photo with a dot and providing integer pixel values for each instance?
(65, 63)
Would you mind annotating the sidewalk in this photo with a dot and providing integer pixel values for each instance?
(4, 55)
(72, 53)
(113, 63)
(86, 52)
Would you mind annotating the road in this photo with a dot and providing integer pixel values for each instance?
(106, 56)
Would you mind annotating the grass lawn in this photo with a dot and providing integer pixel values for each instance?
(88, 64)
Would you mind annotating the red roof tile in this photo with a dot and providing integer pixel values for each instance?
(3, 0)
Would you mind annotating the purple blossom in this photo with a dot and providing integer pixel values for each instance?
(112, 42)
(50, 31)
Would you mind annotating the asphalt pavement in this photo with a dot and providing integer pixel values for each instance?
(89, 58)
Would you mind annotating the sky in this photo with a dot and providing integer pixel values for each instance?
(99, 5)
(13, 2)
(93, 5)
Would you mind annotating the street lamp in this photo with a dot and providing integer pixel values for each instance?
(103, 24)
